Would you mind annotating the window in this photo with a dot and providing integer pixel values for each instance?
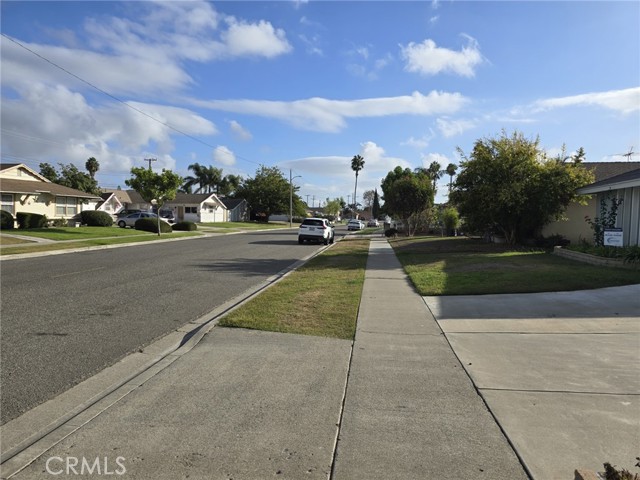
(190, 209)
(7, 203)
(66, 206)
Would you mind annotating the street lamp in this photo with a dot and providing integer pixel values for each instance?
(291, 197)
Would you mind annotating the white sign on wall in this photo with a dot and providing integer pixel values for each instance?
(613, 237)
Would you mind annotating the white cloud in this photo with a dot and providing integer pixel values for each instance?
(451, 128)
(321, 114)
(68, 129)
(257, 39)
(622, 101)
(419, 143)
(223, 155)
(239, 131)
(429, 158)
(434, 19)
(427, 58)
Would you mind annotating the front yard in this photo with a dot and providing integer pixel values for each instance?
(466, 266)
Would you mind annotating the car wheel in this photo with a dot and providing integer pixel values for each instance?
(122, 224)
(326, 241)
(332, 239)
(300, 241)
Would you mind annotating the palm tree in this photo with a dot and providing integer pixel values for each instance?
(208, 179)
(92, 167)
(451, 171)
(435, 173)
(357, 164)
(229, 184)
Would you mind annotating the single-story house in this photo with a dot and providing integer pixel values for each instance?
(129, 200)
(25, 190)
(197, 207)
(110, 204)
(625, 187)
(238, 209)
(575, 228)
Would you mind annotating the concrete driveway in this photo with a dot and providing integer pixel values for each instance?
(560, 372)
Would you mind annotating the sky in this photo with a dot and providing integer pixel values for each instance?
(306, 85)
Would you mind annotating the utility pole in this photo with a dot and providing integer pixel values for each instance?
(314, 202)
(150, 160)
(308, 200)
(291, 197)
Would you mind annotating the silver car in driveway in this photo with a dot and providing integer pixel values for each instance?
(131, 219)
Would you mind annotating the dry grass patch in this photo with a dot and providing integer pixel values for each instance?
(321, 298)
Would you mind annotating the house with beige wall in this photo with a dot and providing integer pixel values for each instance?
(574, 227)
(25, 190)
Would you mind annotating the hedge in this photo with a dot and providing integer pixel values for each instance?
(96, 218)
(6, 220)
(185, 226)
(151, 225)
(31, 220)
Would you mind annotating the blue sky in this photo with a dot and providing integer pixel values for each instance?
(306, 85)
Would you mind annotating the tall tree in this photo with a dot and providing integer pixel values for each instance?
(92, 165)
(435, 172)
(508, 185)
(268, 192)
(71, 177)
(375, 209)
(407, 195)
(229, 184)
(153, 187)
(357, 164)
(451, 171)
(207, 179)
(367, 198)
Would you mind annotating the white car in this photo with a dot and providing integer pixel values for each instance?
(317, 230)
(131, 219)
(373, 223)
(354, 224)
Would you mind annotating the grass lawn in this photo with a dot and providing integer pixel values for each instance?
(246, 225)
(80, 233)
(321, 298)
(464, 266)
(137, 237)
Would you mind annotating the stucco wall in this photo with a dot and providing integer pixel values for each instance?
(575, 228)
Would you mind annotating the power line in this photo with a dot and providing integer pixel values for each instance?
(116, 98)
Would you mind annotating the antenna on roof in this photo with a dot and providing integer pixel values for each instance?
(628, 154)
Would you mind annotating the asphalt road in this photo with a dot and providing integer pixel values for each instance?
(67, 317)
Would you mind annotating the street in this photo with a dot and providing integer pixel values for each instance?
(67, 317)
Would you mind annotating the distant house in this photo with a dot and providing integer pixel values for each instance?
(25, 190)
(238, 209)
(575, 228)
(129, 200)
(197, 207)
(109, 204)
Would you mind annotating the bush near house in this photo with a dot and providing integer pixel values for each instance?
(185, 226)
(151, 225)
(96, 218)
(31, 220)
(6, 220)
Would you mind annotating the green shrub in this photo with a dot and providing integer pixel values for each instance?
(6, 220)
(185, 226)
(151, 225)
(31, 220)
(96, 218)
(59, 222)
(632, 255)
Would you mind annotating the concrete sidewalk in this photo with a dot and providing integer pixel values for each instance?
(560, 371)
(250, 405)
(411, 411)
